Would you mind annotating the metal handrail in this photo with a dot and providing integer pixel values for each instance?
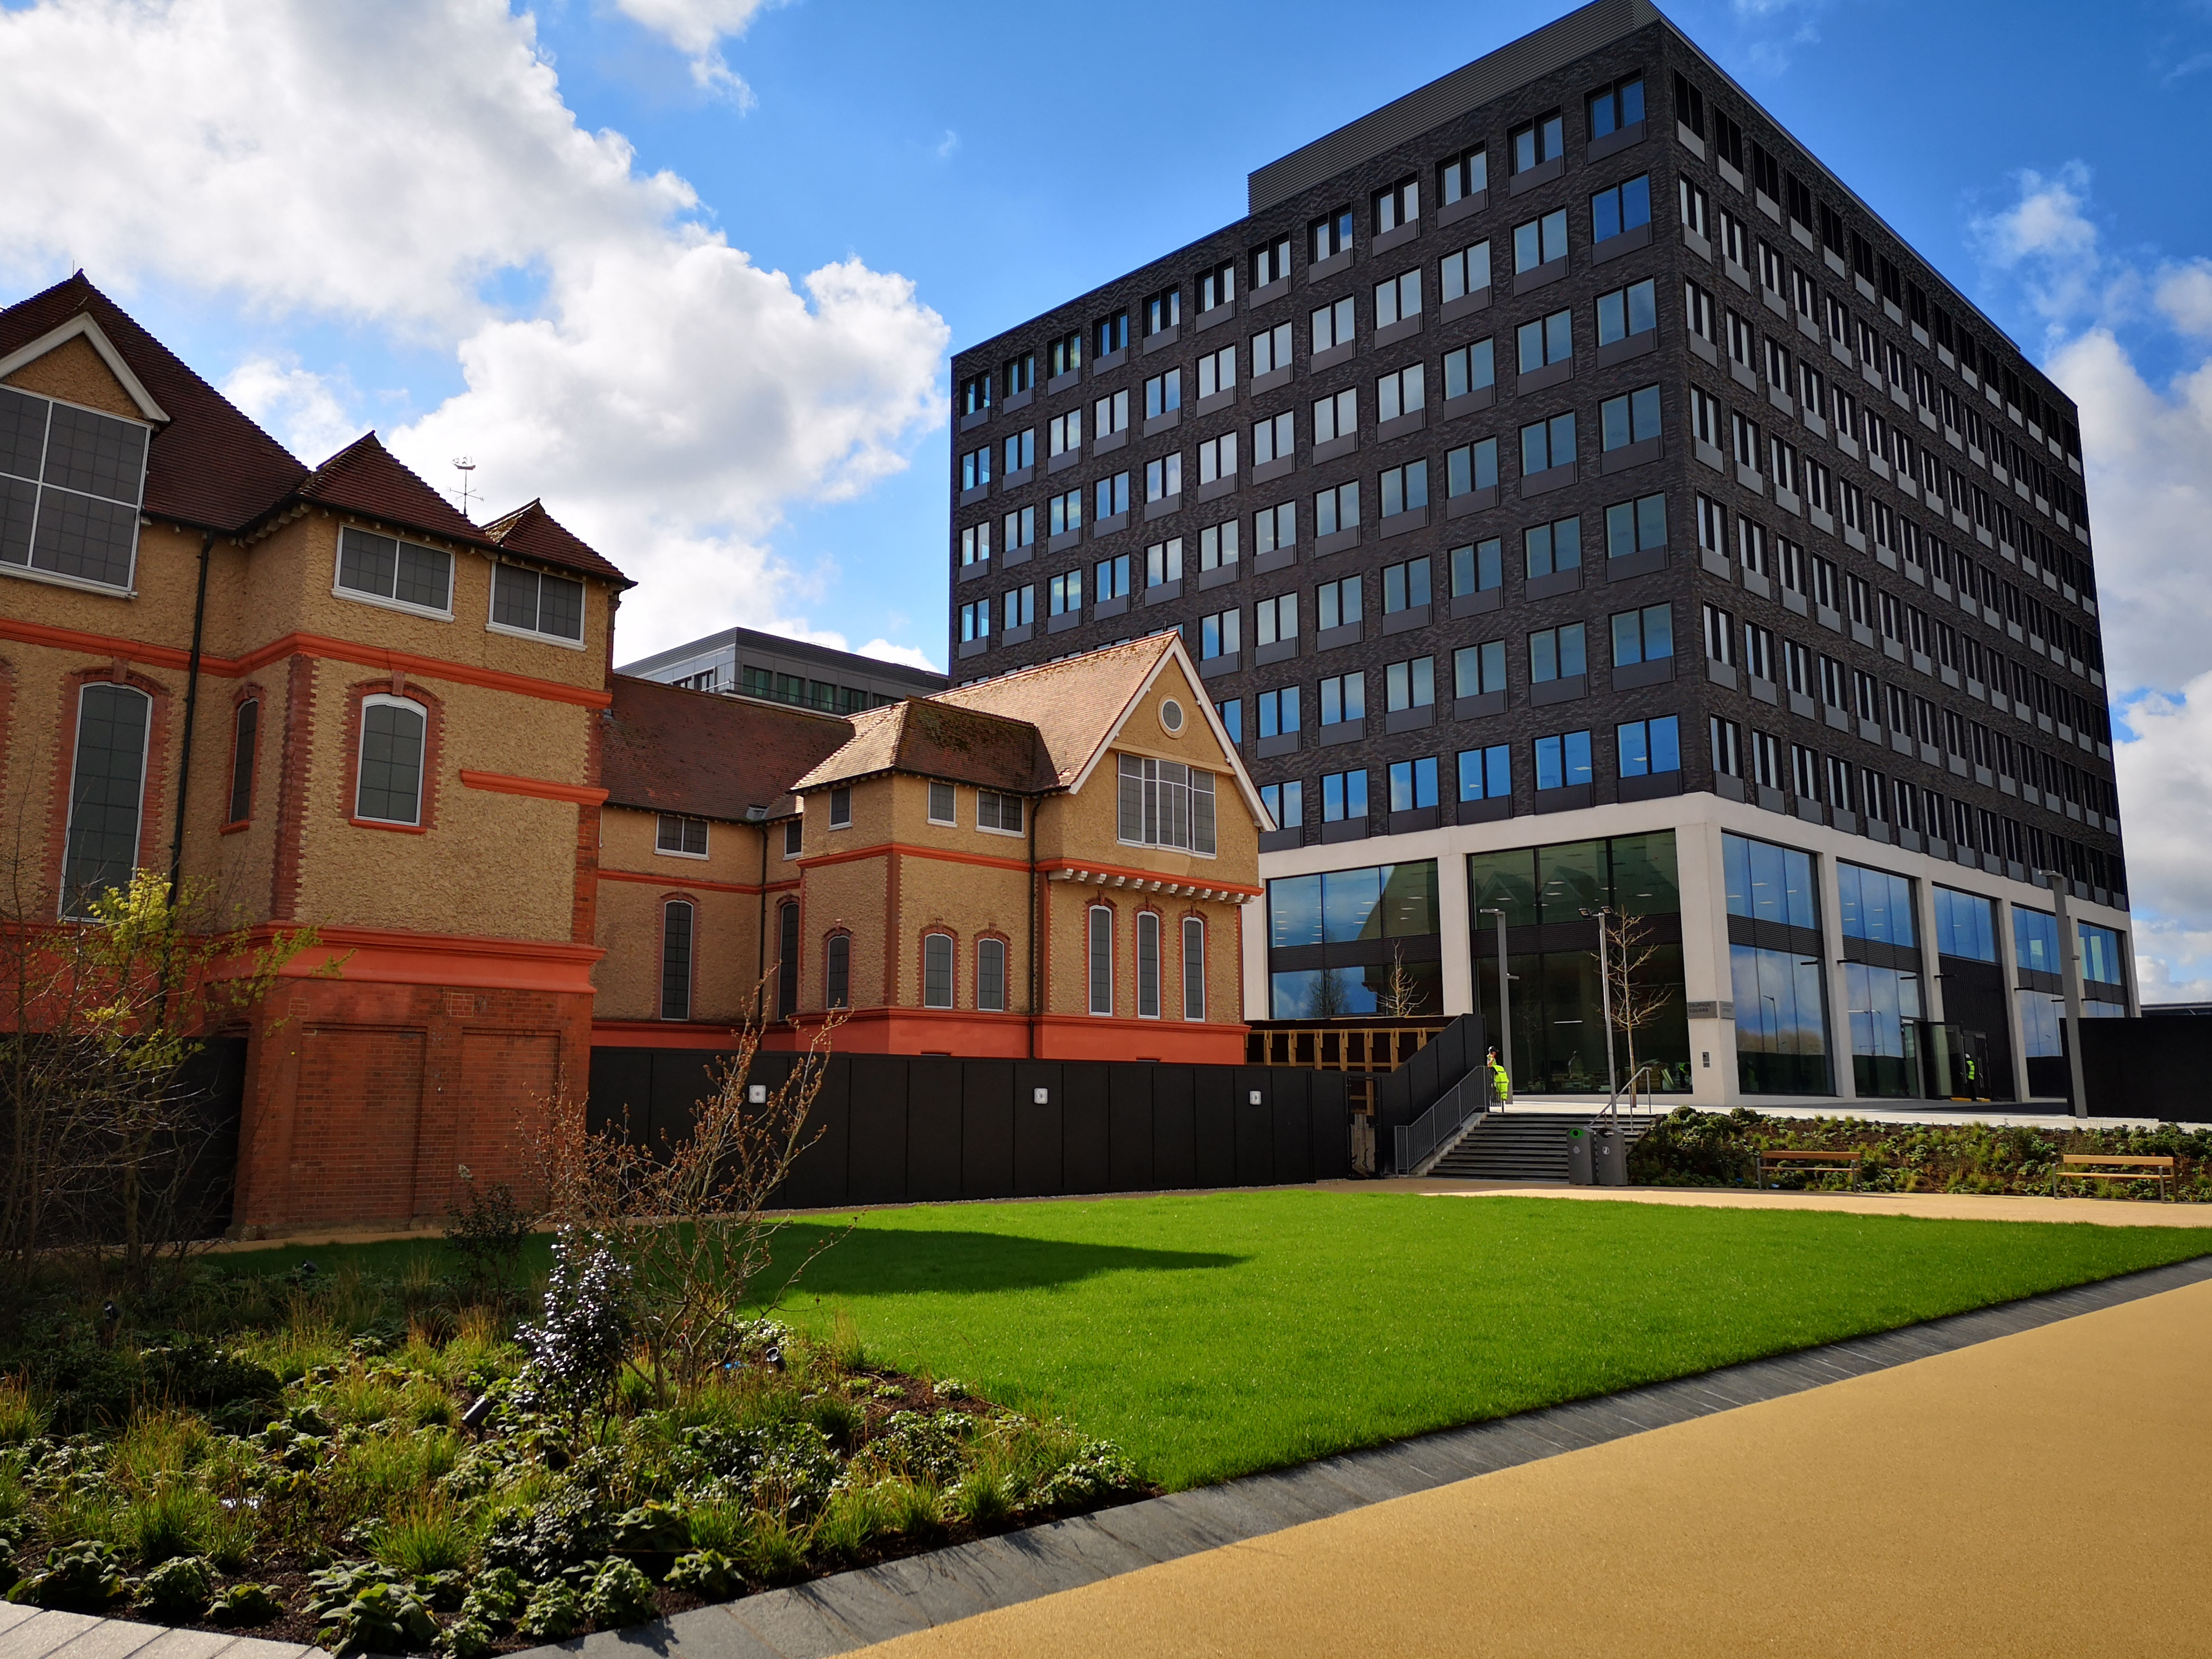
(1459, 1106)
(1609, 1114)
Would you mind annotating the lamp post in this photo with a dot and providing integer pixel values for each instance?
(1504, 996)
(1605, 993)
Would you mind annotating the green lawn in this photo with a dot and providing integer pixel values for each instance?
(1219, 1335)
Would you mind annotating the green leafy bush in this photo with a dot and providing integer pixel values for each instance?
(620, 1595)
(178, 1589)
(246, 1605)
(84, 1578)
(708, 1574)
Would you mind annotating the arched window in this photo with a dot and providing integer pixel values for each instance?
(676, 919)
(1102, 959)
(937, 970)
(1148, 964)
(107, 786)
(837, 971)
(390, 788)
(245, 729)
(786, 959)
(990, 976)
(1193, 968)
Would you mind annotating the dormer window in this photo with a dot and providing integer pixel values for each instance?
(70, 482)
(533, 602)
(405, 575)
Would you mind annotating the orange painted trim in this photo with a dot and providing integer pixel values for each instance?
(381, 956)
(964, 1033)
(1048, 865)
(906, 849)
(661, 878)
(109, 646)
(396, 829)
(501, 783)
(662, 1034)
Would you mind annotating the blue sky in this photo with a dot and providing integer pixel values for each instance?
(437, 237)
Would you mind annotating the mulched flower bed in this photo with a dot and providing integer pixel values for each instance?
(316, 1472)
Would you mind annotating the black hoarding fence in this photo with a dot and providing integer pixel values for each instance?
(898, 1128)
(2156, 1067)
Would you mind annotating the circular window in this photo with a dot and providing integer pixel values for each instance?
(1171, 714)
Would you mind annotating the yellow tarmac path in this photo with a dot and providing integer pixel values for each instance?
(1947, 1207)
(2046, 1493)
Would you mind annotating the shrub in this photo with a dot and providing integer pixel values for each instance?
(486, 1240)
(174, 1519)
(246, 1605)
(583, 1332)
(84, 1578)
(495, 1600)
(1097, 1469)
(620, 1595)
(381, 1619)
(708, 1574)
(178, 1589)
(555, 1614)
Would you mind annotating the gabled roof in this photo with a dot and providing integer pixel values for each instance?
(1076, 704)
(366, 477)
(209, 465)
(1080, 705)
(533, 534)
(666, 749)
(928, 738)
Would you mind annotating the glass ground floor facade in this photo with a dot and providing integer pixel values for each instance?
(1749, 957)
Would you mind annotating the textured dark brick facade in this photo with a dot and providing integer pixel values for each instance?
(2079, 835)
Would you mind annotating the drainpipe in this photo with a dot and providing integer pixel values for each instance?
(191, 707)
(758, 815)
(1034, 804)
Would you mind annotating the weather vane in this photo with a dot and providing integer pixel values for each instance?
(464, 466)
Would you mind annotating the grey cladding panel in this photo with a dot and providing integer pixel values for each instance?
(1467, 88)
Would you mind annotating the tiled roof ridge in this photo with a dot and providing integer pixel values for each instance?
(362, 461)
(532, 533)
(1063, 663)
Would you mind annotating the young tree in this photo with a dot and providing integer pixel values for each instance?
(104, 1128)
(688, 1219)
(1626, 947)
(1401, 997)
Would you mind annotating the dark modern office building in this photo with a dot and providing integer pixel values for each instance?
(1576, 497)
(748, 663)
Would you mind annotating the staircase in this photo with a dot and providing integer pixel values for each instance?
(1517, 1145)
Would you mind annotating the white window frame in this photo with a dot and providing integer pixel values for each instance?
(952, 794)
(952, 970)
(128, 589)
(678, 851)
(492, 599)
(385, 700)
(845, 822)
(1193, 927)
(993, 829)
(354, 596)
(1090, 959)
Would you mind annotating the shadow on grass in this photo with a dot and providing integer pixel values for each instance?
(893, 1261)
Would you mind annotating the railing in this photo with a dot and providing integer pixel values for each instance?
(1435, 1129)
(1334, 1047)
(1610, 1115)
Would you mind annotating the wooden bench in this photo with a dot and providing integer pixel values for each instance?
(2091, 1166)
(1779, 1159)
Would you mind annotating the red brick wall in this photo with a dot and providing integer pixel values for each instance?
(363, 1100)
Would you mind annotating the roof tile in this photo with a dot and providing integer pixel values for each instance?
(210, 466)
(533, 532)
(666, 749)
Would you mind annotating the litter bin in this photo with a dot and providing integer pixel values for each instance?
(1609, 1157)
(1578, 1158)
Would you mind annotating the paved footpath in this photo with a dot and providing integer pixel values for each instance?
(1940, 1207)
(2035, 1494)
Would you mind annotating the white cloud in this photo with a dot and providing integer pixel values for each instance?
(666, 397)
(310, 413)
(884, 651)
(697, 28)
(2184, 296)
(2148, 457)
